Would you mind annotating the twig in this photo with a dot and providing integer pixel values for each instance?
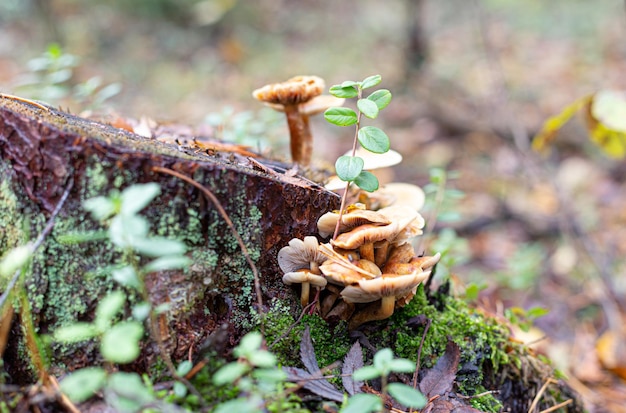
(533, 405)
(419, 354)
(557, 406)
(295, 323)
(222, 212)
(24, 100)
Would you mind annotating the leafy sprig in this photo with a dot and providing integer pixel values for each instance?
(350, 167)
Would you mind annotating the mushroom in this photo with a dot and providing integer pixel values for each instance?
(394, 193)
(298, 258)
(291, 95)
(354, 216)
(306, 278)
(384, 288)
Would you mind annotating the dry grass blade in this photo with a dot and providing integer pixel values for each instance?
(537, 398)
(339, 259)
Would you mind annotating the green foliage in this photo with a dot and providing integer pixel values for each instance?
(524, 318)
(120, 339)
(384, 364)
(50, 79)
(373, 139)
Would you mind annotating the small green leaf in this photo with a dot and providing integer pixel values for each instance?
(73, 333)
(382, 358)
(170, 262)
(363, 403)
(137, 197)
(125, 230)
(141, 310)
(371, 81)
(126, 392)
(15, 259)
(271, 375)
(180, 390)
(367, 181)
(107, 308)
(229, 373)
(81, 384)
(366, 373)
(401, 365)
(159, 246)
(251, 403)
(407, 395)
(120, 344)
(381, 98)
(184, 367)
(341, 116)
(100, 207)
(250, 343)
(126, 276)
(80, 237)
(368, 108)
(346, 92)
(373, 139)
(262, 358)
(348, 167)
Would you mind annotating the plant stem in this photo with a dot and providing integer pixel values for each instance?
(345, 193)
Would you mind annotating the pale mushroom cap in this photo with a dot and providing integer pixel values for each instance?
(377, 160)
(294, 91)
(300, 254)
(335, 184)
(404, 194)
(365, 234)
(351, 219)
(387, 285)
(304, 276)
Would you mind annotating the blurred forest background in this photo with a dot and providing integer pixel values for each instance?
(472, 82)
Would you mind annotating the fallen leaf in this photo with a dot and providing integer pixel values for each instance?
(352, 362)
(440, 379)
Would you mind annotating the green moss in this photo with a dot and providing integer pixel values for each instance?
(12, 232)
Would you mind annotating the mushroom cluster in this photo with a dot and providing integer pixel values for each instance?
(367, 271)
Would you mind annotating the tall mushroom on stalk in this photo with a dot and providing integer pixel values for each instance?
(290, 97)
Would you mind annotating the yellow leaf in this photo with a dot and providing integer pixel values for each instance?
(551, 127)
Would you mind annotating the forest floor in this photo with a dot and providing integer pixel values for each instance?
(533, 231)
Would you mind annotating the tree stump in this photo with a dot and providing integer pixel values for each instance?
(41, 149)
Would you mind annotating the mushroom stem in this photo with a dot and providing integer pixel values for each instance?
(304, 295)
(301, 140)
(374, 312)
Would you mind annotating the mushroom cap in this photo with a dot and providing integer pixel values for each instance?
(352, 218)
(387, 285)
(364, 234)
(294, 91)
(377, 160)
(304, 276)
(400, 193)
(316, 105)
(341, 270)
(410, 222)
(300, 254)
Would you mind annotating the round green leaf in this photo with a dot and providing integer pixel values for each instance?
(407, 395)
(381, 98)
(15, 259)
(262, 358)
(229, 373)
(348, 167)
(126, 276)
(367, 181)
(371, 81)
(120, 344)
(126, 392)
(81, 384)
(368, 108)
(169, 262)
(363, 403)
(250, 343)
(76, 332)
(401, 365)
(346, 92)
(373, 139)
(341, 116)
(366, 373)
(141, 310)
(184, 367)
(110, 305)
(138, 196)
(382, 358)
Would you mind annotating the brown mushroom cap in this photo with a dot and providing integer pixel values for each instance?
(400, 193)
(387, 285)
(304, 276)
(364, 234)
(300, 254)
(352, 218)
(316, 105)
(294, 91)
